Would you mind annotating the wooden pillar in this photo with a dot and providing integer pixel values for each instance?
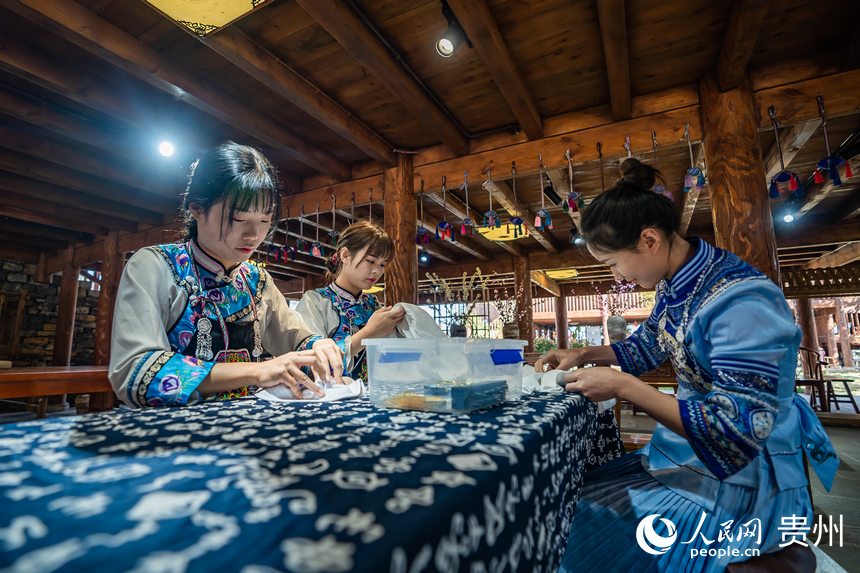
(66, 312)
(806, 320)
(113, 261)
(561, 321)
(740, 206)
(832, 349)
(401, 273)
(523, 292)
(844, 335)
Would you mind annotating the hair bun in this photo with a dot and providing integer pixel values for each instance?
(634, 172)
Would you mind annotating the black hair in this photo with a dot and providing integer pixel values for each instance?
(615, 219)
(238, 174)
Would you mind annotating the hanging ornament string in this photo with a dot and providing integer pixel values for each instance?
(302, 244)
(467, 226)
(422, 237)
(828, 168)
(543, 220)
(694, 179)
(443, 228)
(627, 146)
(516, 220)
(600, 162)
(659, 188)
(352, 210)
(785, 180)
(317, 249)
(289, 250)
(573, 204)
(491, 218)
(333, 234)
(370, 198)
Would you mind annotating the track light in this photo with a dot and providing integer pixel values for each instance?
(576, 239)
(453, 36)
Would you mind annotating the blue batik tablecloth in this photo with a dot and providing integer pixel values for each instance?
(253, 487)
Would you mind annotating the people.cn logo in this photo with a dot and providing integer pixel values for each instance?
(652, 542)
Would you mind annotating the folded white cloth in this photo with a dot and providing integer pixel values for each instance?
(281, 393)
(551, 382)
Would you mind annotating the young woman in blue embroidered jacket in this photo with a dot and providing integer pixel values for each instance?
(728, 449)
(341, 310)
(192, 320)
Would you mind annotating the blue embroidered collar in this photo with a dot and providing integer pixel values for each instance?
(686, 276)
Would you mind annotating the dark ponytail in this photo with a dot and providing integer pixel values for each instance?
(615, 219)
(238, 174)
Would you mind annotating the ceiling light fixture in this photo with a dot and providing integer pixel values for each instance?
(453, 36)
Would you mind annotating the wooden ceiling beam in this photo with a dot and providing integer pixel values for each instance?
(541, 279)
(847, 253)
(112, 168)
(39, 216)
(38, 191)
(32, 168)
(792, 139)
(458, 209)
(253, 59)
(465, 244)
(50, 118)
(351, 32)
(691, 197)
(506, 199)
(15, 227)
(613, 33)
(19, 253)
(65, 212)
(745, 23)
(482, 29)
(100, 37)
(795, 102)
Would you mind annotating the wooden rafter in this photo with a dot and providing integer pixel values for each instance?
(690, 198)
(482, 29)
(63, 212)
(38, 191)
(541, 279)
(506, 199)
(84, 28)
(352, 33)
(465, 244)
(745, 23)
(795, 101)
(254, 59)
(613, 32)
(27, 230)
(792, 140)
(32, 168)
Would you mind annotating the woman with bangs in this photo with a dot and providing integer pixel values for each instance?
(197, 320)
(342, 310)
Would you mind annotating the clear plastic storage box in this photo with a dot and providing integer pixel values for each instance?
(443, 375)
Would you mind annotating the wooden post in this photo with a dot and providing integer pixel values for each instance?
(66, 312)
(832, 349)
(561, 321)
(523, 292)
(739, 199)
(401, 284)
(844, 335)
(806, 319)
(112, 264)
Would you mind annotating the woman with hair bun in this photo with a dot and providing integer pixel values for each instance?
(727, 453)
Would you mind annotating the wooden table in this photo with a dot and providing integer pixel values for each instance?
(58, 380)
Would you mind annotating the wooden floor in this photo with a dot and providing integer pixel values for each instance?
(843, 499)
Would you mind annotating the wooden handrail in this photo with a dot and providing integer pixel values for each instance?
(53, 381)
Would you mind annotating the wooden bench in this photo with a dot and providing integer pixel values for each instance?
(58, 380)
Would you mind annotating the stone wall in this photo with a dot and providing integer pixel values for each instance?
(40, 316)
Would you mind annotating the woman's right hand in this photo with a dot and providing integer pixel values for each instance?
(286, 369)
(561, 359)
(383, 322)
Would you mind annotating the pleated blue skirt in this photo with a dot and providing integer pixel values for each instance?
(619, 494)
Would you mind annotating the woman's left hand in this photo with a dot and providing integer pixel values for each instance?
(330, 356)
(597, 383)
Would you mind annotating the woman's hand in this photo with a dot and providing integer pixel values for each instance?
(382, 322)
(561, 359)
(597, 383)
(286, 369)
(330, 357)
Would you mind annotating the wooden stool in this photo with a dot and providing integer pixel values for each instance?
(792, 559)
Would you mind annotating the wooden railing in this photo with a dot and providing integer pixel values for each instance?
(593, 303)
